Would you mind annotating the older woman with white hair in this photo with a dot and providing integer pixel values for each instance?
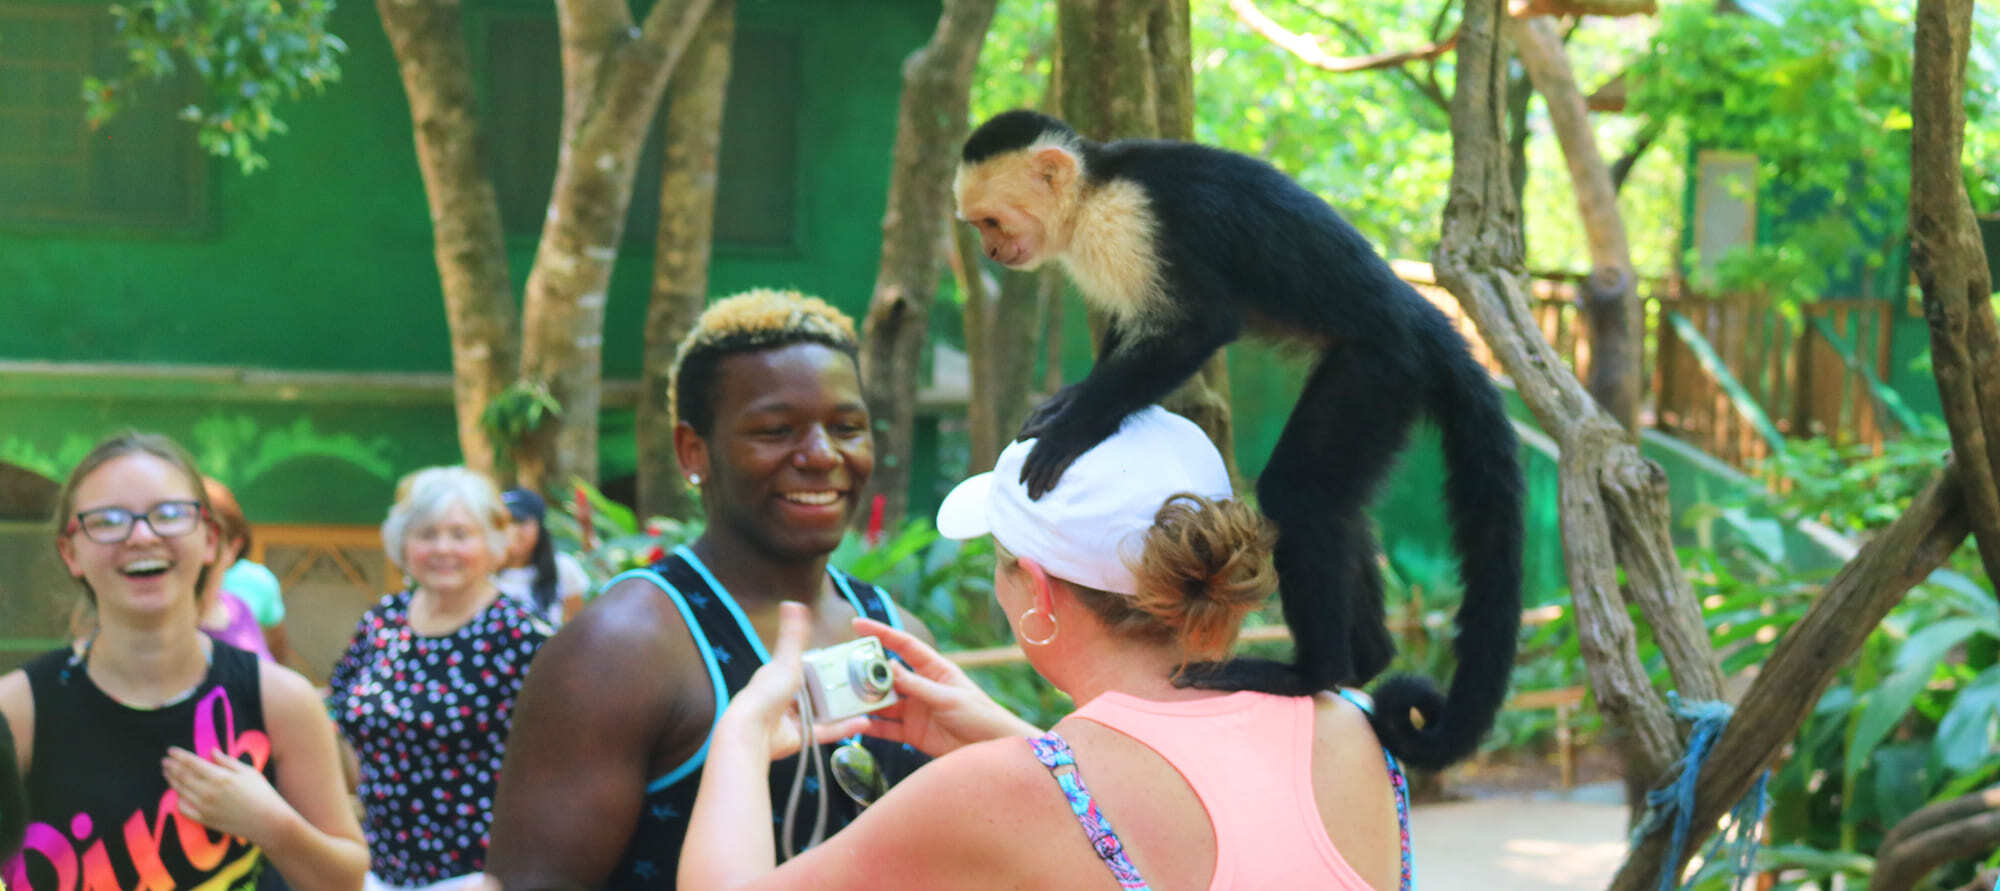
(426, 690)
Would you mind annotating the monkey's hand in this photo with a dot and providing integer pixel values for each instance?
(1059, 444)
(1045, 415)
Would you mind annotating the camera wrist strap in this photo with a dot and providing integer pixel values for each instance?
(808, 751)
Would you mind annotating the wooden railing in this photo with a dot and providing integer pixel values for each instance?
(1791, 370)
(1732, 364)
(330, 575)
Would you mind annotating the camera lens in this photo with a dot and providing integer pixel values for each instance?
(871, 675)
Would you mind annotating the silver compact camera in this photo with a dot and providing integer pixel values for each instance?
(848, 679)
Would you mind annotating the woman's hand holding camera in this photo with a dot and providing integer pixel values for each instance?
(940, 707)
(761, 715)
(939, 710)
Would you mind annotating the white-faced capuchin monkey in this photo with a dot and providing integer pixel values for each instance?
(1183, 246)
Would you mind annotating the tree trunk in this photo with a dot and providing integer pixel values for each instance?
(1950, 263)
(613, 76)
(975, 289)
(1613, 501)
(1000, 331)
(1022, 311)
(696, 96)
(930, 126)
(428, 41)
(1610, 298)
(1125, 71)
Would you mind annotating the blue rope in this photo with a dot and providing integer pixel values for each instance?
(1675, 801)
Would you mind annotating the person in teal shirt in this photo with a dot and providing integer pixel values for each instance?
(250, 581)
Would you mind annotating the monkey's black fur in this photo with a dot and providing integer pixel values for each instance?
(1240, 244)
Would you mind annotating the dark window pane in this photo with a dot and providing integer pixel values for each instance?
(757, 191)
(143, 168)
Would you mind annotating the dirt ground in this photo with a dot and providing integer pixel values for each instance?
(1508, 825)
(1505, 773)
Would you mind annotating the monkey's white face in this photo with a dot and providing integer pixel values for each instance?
(1013, 207)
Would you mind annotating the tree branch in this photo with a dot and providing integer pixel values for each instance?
(1967, 826)
(1622, 168)
(607, 105)
(1426, 87)
(1607, 8)
(1611, 294)
(1950, 263)
(697, 93)
(1308, 51)
(1479, 259)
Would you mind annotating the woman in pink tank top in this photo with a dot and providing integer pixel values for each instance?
(1122, 584)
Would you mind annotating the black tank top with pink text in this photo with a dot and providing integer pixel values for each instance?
(100, 813)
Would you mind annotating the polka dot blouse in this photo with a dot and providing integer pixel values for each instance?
(428, 718)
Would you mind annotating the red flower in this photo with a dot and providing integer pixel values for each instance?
(583, 517)
(655, 555)
(876, 506)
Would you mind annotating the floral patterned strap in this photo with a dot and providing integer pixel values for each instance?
(1054, 753)
(1402, 786)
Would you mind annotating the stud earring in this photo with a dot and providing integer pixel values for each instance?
(694, 479)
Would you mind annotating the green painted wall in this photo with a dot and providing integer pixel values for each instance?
(323, 261)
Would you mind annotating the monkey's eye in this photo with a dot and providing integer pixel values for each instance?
(989, 223)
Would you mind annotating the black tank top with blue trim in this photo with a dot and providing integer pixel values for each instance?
(732, 652)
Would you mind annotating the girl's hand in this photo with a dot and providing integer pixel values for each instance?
(763, 715)
(939, 707)
(224, 794)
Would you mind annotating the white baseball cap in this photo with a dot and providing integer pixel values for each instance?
(1090, 528)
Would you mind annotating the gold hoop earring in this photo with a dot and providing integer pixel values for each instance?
(1029, 639)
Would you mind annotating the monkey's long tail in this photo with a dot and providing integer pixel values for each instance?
(1483, 494)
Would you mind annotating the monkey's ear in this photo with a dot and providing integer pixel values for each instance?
(1055, 165)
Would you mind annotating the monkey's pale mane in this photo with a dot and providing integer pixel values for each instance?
(1067, 142)
(1112, 250)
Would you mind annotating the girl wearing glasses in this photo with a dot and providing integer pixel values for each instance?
(156, 757)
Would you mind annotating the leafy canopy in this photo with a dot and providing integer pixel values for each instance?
(1819, 92)
(247, 55)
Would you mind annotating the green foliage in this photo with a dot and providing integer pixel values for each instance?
(1849, 487)
(1374, 144)
(519, 411)
(1821, 96)
(1017, 59)
(1915, 718)
(248, 55)
(607, 538)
